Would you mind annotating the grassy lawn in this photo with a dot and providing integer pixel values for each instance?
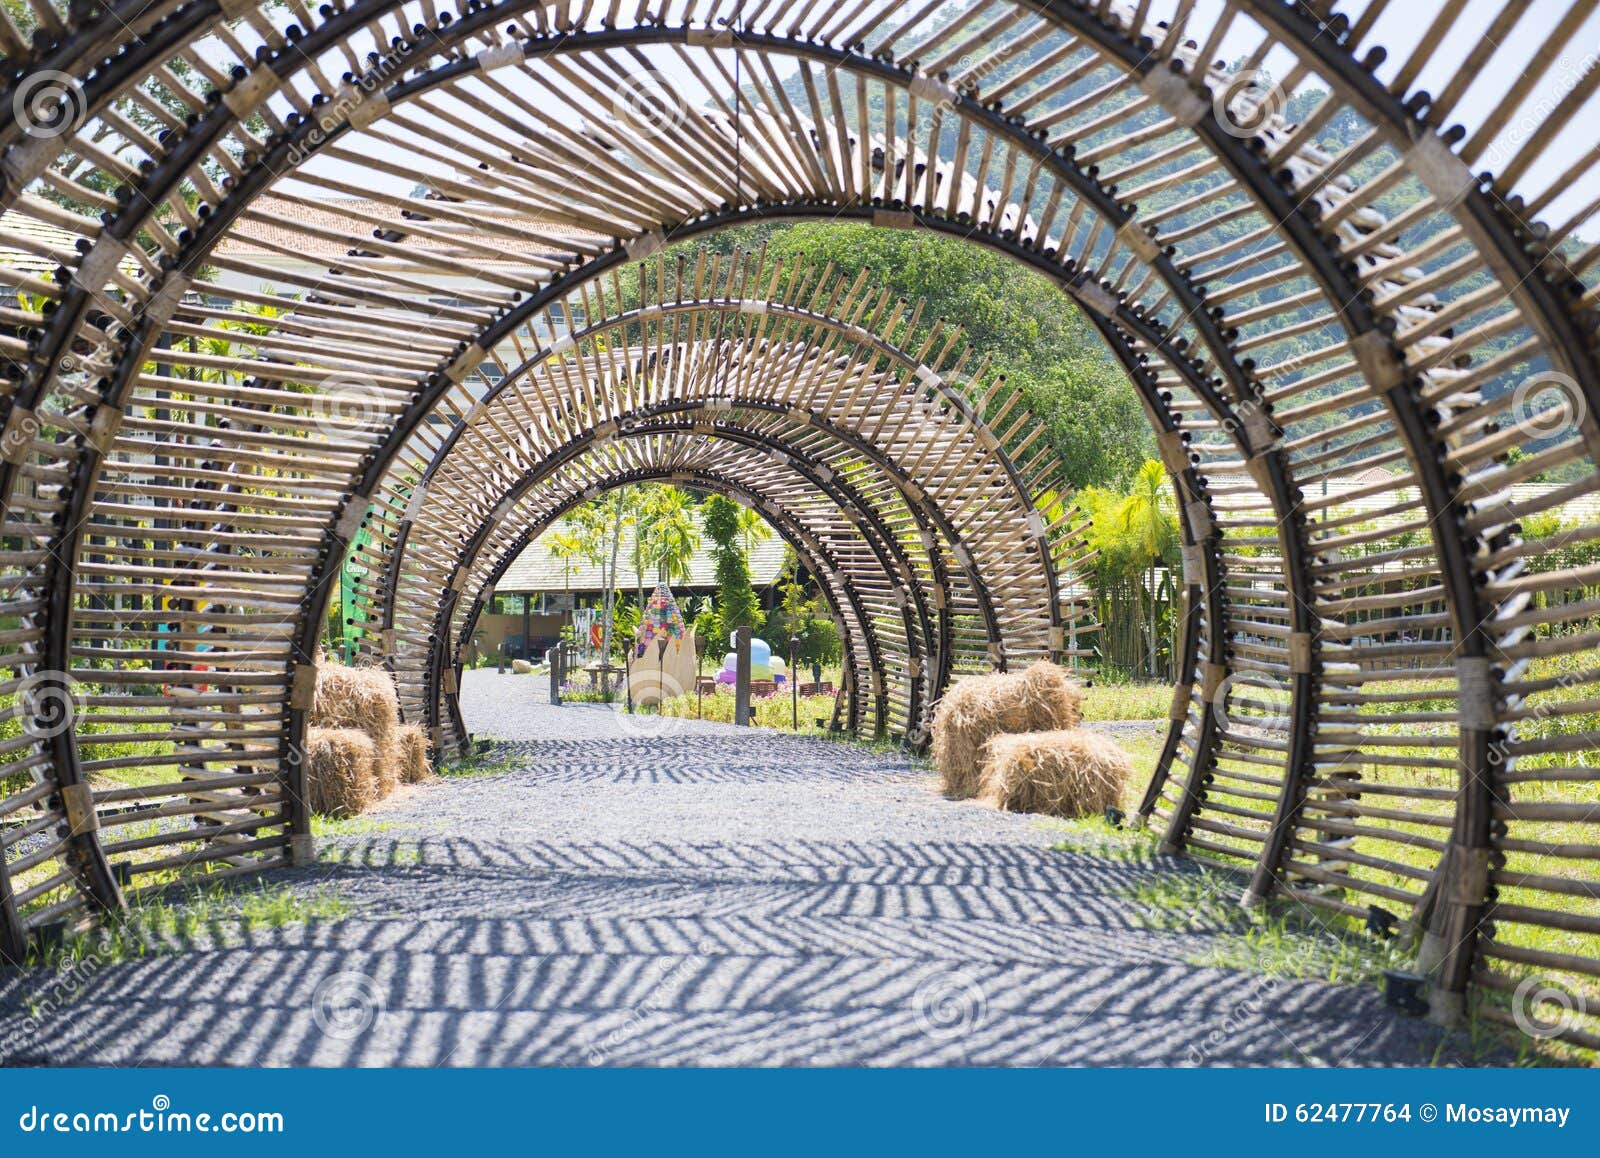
(1113, 701)
(210, 914)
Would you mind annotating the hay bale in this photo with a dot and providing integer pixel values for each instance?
(1068, 773)
(412, 742)
(1040, 698)
(341, 773)
(356, 697)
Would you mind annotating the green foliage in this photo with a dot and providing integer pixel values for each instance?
(1034, 337)
(721, 520)
(800, 613)
(1134, 533)
(708, 625)
(774, 711)
(203, 914)
(739, 606)
(625, 620)
(736, 599)
(668, 534)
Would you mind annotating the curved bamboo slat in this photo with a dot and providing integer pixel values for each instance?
(240, 335)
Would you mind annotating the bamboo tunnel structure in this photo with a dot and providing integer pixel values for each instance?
(280, 281)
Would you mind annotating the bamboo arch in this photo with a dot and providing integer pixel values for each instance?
(1376, 316)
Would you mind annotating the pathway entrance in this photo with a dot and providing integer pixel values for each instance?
(704, 895)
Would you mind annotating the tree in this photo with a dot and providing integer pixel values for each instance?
(600, 523)
(1133, 534)
(566, 545)
(800, 613)
(669, 535)
(736, 599)
(1044, 348)
(752, 529)
(1147, 516)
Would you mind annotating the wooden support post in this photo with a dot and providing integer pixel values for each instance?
(741, 682)
(13, 940)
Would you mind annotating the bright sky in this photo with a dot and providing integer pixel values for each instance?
(1399, 29)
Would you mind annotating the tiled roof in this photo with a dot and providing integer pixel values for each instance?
(21, 237)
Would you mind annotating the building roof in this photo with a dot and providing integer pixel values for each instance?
(39, 248)
(536, 569)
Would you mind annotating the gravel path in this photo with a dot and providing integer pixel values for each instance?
(640, 892)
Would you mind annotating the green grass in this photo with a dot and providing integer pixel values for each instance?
(347, 826)
(493, 761)
(174, 921)
(377, 855)
(774, 711)
(1113, 701)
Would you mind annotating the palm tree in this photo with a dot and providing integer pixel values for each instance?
(752, 528)
(600, 523)
(566, 546)
(1147, 517)
(674, 534)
